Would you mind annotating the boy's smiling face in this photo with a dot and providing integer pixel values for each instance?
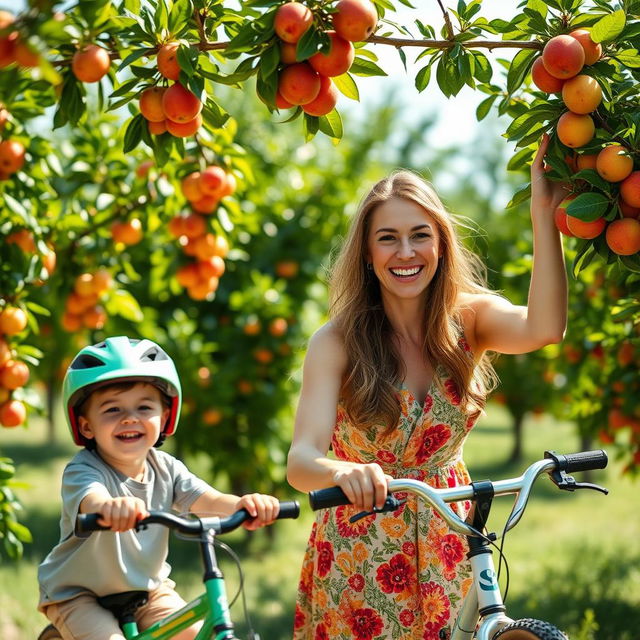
(125, 424)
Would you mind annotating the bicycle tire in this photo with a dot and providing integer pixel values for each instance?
(50, 633)
(530, 629)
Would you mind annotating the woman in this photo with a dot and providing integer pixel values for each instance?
(393, 384)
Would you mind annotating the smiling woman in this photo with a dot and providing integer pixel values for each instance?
(393, 384)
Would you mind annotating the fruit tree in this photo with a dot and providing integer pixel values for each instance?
(128, 192)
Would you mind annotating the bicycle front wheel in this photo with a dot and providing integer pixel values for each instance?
(530, 629)
(50, 633)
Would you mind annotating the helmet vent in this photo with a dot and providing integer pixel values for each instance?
(86, 361)
(152, 355)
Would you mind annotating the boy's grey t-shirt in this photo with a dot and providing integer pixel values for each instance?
(105, 562)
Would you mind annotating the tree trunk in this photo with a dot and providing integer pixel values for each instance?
(51, 403)
(516, 451)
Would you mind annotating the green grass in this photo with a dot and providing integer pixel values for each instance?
(570, 552)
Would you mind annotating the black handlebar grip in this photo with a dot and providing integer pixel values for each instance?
(326, 498)
(586, 460)
(582, 461)
(88, 522)
(289, 509)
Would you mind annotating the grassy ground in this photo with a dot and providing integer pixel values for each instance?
(570, 552)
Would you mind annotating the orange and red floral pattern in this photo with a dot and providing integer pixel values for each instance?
(399, 575)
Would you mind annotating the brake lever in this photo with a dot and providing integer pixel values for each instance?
(568, 483)
(390, 504)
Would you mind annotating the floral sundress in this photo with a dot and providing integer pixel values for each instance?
(399, 575)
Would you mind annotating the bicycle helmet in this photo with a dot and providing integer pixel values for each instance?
(120, 358)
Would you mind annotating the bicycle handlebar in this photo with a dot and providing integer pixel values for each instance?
(439, 498)
(194, 526)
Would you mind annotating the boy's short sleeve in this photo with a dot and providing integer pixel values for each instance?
(78, 481)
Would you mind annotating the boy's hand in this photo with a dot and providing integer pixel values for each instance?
(121, 514)
(263, 508)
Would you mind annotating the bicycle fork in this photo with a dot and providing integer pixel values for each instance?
(484, 600)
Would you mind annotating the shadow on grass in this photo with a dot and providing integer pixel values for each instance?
(37, 454)
(45, 529)
(585, 578)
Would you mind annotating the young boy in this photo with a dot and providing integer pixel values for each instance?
(123, 398)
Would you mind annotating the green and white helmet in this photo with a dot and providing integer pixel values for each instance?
(120, 359)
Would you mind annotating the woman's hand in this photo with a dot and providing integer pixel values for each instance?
(546, 194)
(366, 485)
(263, 508)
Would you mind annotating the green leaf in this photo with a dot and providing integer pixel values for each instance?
(309, 43)
(181, 13)
(519, 160)
(519, 68)
(484, 107)
(133, 56)
(585, 254)
(588, 206)
(483, 70)
(269, 61)
(422, 78)
(161, 16)
(631, 262)
(629, 58)
(609, 28)
(133, 133)
(122, 303)
(520, 196)
(347, 86)
(363, 67)
(331, 125)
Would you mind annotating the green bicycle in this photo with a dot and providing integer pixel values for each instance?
(211, 607)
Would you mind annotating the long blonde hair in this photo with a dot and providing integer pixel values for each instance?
(369, 389)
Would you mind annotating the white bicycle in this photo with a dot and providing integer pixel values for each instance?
(483, 613)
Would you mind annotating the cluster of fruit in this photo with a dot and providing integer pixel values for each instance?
(11, 151)
(14, 373)
(203, 190)
(307, 83)
(13, 48)
(558, 70)
(82, 308)
(174, 109)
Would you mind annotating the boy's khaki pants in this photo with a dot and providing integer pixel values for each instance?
(82, 618)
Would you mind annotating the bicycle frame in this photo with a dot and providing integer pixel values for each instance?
(211, 607)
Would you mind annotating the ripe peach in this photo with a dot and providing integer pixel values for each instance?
(212, 267)
(180, 104)
(157, 128)
(83, 285)
(102, 281)
(49, 260)
(623, 236)
(627, 210)
(543, 79)
(6, 19)
(213, 181)
(586, 230)
(581, 94)
(252, 327)
(5, 352)
(24, 239)
(221, 246)
(206, 204)
(625, 356)
(188, 275)
(167, 60)
(337, 61)
(281, 103)
(184, 129)
(263, 356)
(299, 83)
(288, 52)
(575, 130)
(12, 413)
(212, 417)
(128, 232)
(586, 160)
(4, 116)
(355, 20)
(193, 225)
(12, 320)
(278, 327)
(291, 21)
(205, 246)
(230, 186)
(560, 216)
(325, 101)
(8, 49)
(630, 189)
(11, 156)
(151, 104)
(94, 318)
(90, 63)
(613, 163)
(563, 57)
(14, 374)
(190, 186)
(25, 56)
(287, 268)
(592, 50)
